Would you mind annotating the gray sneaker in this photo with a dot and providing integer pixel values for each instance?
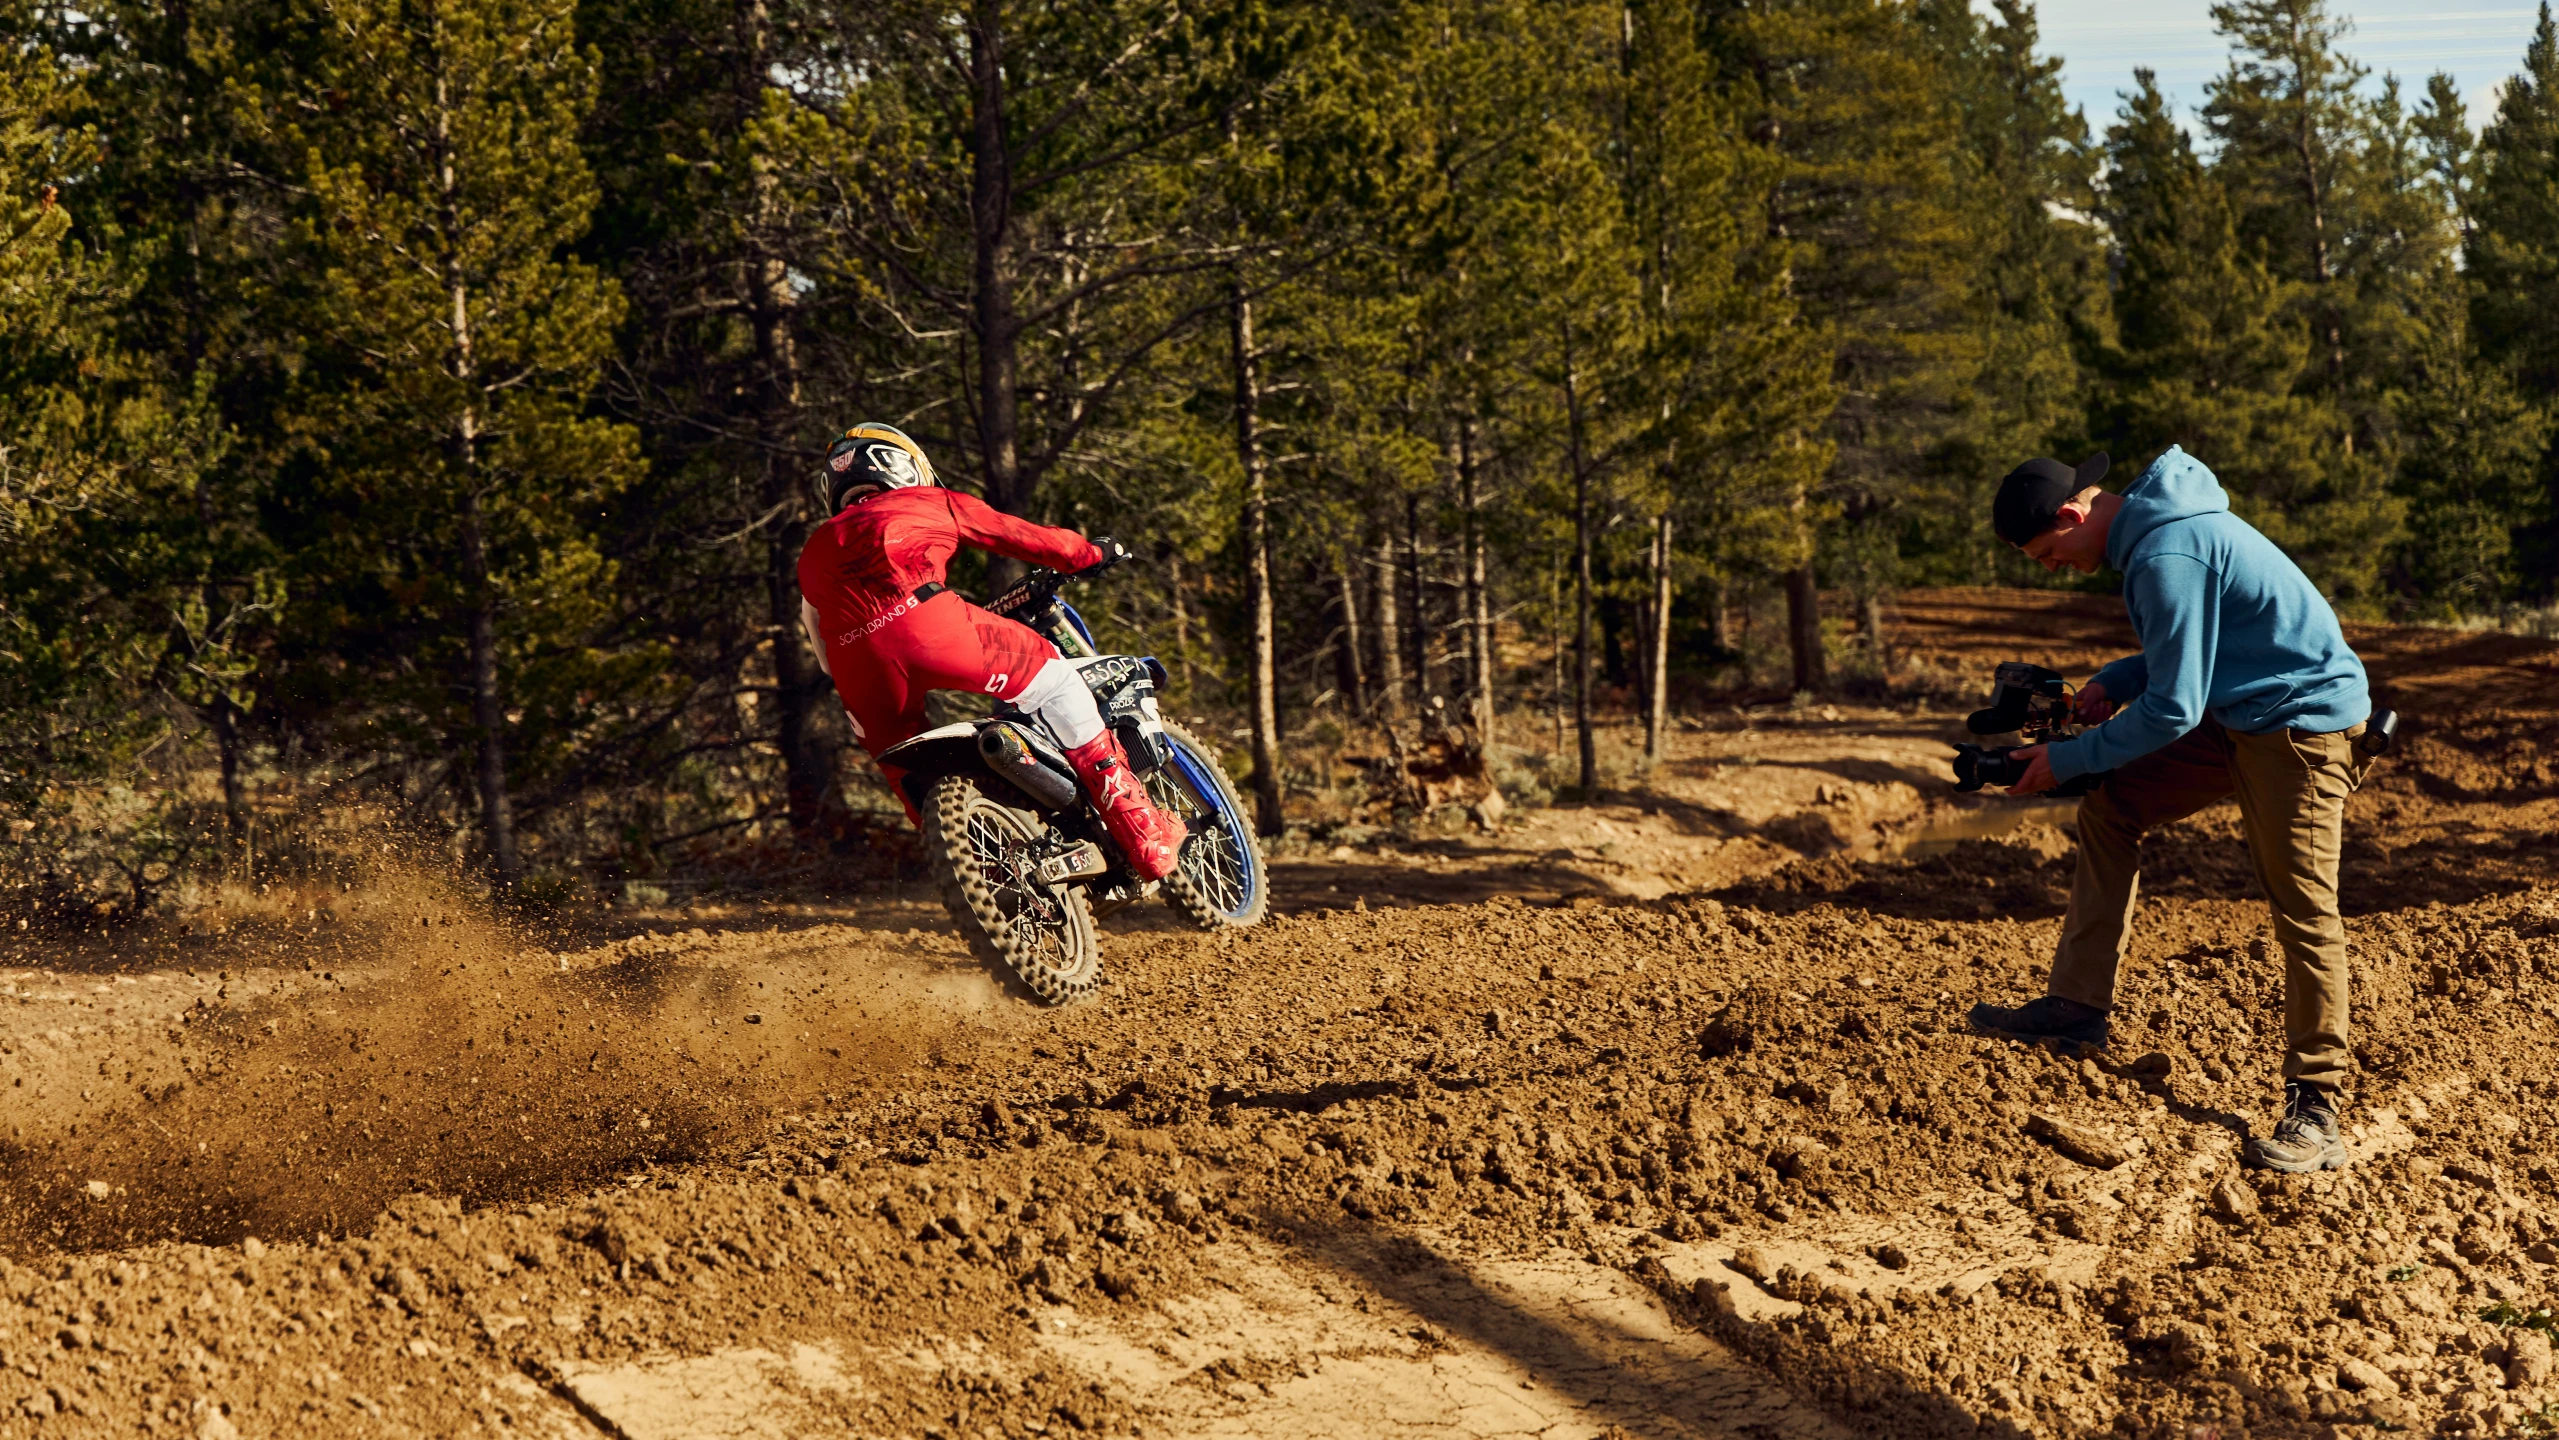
(2306, 1138)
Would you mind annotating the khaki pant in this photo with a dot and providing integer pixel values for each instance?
(2292, 788)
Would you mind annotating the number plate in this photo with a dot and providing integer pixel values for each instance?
(1075, 864)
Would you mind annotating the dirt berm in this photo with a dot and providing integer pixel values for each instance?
(1703, 1164)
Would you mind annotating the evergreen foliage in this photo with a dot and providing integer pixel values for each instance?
(455, 474)
(2513, 261)
(418, 395)
(68, 459)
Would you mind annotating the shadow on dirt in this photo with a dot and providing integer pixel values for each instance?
(1582, 1350)
(1314, 1101)
(1303, 887)
(2455, 863)
(2205, 857)
(1977, 880)
(1925, 779)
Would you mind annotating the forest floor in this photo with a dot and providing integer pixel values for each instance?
(1656, 1117)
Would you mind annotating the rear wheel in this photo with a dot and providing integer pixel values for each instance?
(1222, 882)
(985, 853)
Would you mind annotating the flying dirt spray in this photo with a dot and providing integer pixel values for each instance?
(287, 1060)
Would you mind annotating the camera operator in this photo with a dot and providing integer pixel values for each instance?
(2244, 688)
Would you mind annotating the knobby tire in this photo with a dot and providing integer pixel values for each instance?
(1188, 888)
(1046, 940)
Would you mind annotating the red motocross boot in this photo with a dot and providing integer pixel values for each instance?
(1150, 837)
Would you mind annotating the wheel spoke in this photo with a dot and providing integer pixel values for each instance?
(1215, 863)
(1220, 880)
(1034, 917)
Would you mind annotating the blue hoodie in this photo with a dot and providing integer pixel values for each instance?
(2230, 628)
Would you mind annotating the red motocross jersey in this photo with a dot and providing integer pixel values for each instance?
(873, 555)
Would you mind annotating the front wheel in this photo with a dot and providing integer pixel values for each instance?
(986, 853)
(1222, 882)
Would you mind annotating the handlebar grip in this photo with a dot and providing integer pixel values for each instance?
(1113, 554)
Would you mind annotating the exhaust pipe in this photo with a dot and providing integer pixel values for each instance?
(1002, 748)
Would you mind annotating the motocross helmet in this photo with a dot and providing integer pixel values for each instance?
(870, 456)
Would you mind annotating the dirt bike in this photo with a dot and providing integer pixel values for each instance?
(1022, 858)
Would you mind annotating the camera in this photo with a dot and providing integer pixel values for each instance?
(2035, 703)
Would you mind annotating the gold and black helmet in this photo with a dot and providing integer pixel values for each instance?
(870, 456)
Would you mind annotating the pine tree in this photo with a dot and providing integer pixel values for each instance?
(2042, 282)
(2209, 346)
(1874, 194)
(460, 340)
(2193, 310)
(188, 184)
(2330, 190)
(1028, 178)
(2286, 115)
(1736, 382)
(68, 646)
(2514, 254)
(2470, 471)
(1300, 153)
(2513, 263)
(2442, 125)
(708, 221)
(2403, 272)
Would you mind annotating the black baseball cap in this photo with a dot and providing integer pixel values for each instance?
(2034, 493)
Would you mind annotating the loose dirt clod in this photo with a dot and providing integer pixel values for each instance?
(2081, 1144)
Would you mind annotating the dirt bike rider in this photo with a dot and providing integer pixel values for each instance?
(887, 629)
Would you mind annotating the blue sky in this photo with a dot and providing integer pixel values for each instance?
(2100, 41)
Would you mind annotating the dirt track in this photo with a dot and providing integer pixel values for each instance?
(1664, 1123)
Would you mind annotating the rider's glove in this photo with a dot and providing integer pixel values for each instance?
(1113, 552)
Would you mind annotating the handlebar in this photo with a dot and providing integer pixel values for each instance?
(1029, 593)
(1038, 587)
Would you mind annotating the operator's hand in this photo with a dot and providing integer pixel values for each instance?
(1113, 553)
(2091, 707)
(2039, 773)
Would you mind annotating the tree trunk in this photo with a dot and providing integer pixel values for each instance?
(808, 774)
(235, 794)
(1390, 629)
(992, 318)
(1803, 598)
(1555, 647)
(1719, 613)
(488, 702)
(1804, 628)
(1418, 627)
(222, 714)
(2305, 149)
(1479, 604)
(1585, 734)
(1634, 662)
(1870, 618)
(1257, 570)
(800, 687)
(1657, 714)
(1352, 653)
(168, 45)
